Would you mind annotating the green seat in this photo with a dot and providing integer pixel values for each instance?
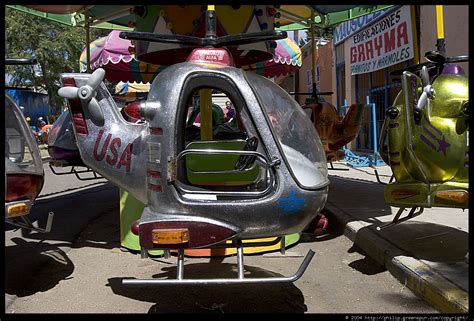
(204, 170)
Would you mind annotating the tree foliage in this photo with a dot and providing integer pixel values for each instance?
(57, 49)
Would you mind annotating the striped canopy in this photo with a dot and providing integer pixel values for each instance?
(112, 54)
(128, 92)
(287, 60)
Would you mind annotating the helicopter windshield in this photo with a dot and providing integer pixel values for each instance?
(300, 143)
(21, 153)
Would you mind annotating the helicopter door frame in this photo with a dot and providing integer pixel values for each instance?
(194, 82)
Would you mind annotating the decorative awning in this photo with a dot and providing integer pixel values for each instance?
(115, 55)
(287, 60)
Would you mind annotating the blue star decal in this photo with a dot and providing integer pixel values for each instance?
(292, 203)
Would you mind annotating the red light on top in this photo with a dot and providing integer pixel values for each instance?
(211, 55)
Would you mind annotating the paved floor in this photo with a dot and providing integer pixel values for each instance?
(427, 253)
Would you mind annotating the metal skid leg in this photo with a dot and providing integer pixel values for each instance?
(180, 265)
(378, 177)
(337, 169)
(397, 219)
(29, 225)
(77, 172)
(240, 273)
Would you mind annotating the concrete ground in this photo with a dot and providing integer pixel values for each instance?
(78, 268)
(426, 253)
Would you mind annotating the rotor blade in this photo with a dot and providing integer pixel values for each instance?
(425, 77)
(152, 37)
(457, 59)
(248, 38)
(20, 61)
(95, 111)
(68, 92)
(96, 78)
(412, 68)
(231, 40)
(422, 101)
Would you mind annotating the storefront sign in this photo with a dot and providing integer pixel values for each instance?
(348, 28)
(387, 42)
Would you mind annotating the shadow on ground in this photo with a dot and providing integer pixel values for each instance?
(418, 239)
(18, 278)
(425, 241)
(230, 298)
(36, 262)
(73, 212)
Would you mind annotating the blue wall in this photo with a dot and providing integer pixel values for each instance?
(35, 104)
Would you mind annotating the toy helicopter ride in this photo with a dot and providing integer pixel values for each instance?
(426, 134)
(24, 174)
(64, 153)
(202, 193)
(334, 130)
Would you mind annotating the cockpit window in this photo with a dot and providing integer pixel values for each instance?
(298, 138)
(19, 158)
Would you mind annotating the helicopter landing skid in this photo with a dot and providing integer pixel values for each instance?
(75, 172)
(336, 169)
(378, 177)
(29, 225)
(397, 219)
(240, 279)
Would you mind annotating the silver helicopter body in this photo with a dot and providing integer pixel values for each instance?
(148, 159)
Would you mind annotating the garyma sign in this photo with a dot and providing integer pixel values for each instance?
(347, 28)
(385, 43)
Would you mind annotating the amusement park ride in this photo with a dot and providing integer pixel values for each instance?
(335, 131)
(268, 178)
(426, 138)
(24, 175)
(275, 180)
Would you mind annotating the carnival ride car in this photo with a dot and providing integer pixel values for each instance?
(24, 175)
(202, 193)
(425, 138)
(334, 130)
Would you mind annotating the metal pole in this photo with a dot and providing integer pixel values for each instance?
(206, 94)
(180, 265)
(210, 21)
(205, 101)
(88, 41)
(374, 130)
(296, 80)
(440, 44)
(313, 55)
(240, 260)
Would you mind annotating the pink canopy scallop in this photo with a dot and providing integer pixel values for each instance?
(287, 60)
(115, 56)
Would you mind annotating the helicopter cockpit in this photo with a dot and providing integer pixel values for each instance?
(233, 172)
(24, 174)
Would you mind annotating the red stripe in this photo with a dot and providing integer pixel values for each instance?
(155, 188)
(155, 174)
(76, 110)
(156, 131)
